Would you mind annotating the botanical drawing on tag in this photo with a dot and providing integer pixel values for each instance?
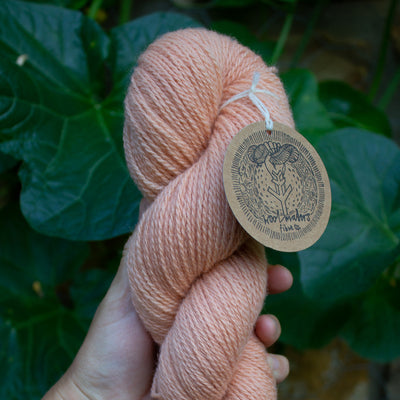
(277, 183)
(277, 187)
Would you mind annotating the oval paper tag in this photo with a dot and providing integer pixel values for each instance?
(277, 186)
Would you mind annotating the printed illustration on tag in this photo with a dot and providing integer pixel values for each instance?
(277, 187)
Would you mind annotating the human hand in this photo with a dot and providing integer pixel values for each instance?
(117, 357)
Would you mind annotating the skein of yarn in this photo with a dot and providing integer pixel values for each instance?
(198, 280)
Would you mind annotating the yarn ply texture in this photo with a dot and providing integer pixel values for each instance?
(198, 280)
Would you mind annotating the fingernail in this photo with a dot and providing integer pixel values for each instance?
(277, 326)
(274, 365)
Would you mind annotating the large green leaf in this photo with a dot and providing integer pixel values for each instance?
(34, 323)
(37, 348)
(349, 107)
(373, 329)
(62, 83)
(343, 284)
(311, 117)
(27, 256)
(363, 235)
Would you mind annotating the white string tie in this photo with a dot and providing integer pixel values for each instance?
(251, 94)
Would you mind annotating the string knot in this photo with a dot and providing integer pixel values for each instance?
(251, 94)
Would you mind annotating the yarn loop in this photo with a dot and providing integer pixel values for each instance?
(251, 93)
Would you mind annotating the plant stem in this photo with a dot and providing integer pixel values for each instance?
(284, 35)
(94, 8)
(377, 78)
(321, 4)
(125, 13)
(390, 90)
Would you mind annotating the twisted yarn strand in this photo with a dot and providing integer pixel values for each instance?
(198, 281)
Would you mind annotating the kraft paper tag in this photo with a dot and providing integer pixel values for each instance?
(277, 186)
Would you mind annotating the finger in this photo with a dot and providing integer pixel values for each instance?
(280, 279)
(268, 329)
(280, 367)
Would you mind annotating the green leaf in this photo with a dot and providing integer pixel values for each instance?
(39, 335)
(311, 117)
(7, 162)
(62, 48)
(245, 37)
(11, 362)
(361, 239)
(349, 107)
(306, 323)
(27, 256)
(373, 329)
(61, 112)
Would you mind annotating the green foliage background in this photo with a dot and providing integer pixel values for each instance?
(67, 201)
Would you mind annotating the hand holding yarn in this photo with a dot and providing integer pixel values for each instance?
(198, 281)
(116, 360)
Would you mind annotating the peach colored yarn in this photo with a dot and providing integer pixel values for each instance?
(198, 280)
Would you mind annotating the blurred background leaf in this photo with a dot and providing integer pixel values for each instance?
(311, 117)
(349, 107)
(36, 313)
(362, 238)
(373, 326)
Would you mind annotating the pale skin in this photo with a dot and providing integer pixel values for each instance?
(117, 357)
